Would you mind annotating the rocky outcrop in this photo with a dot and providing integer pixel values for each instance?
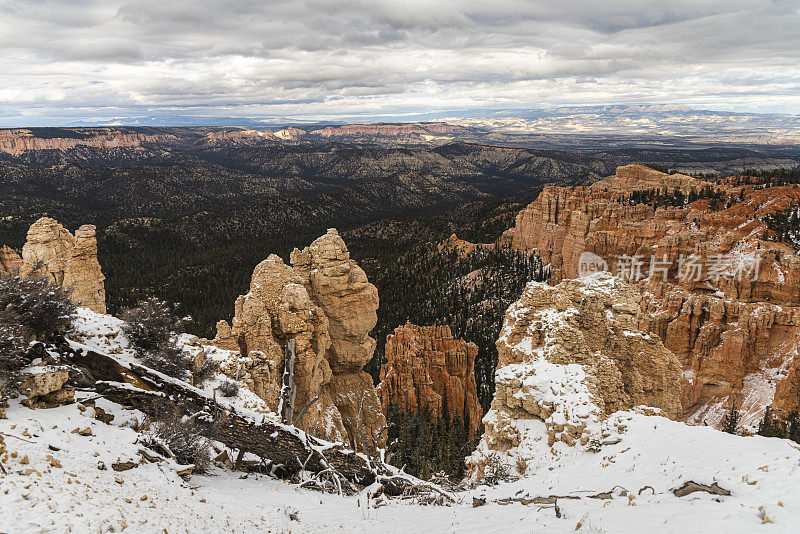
(19, 141)
(45, 387)
(290, 133)
(51, 251)
(462, 247)
(569, 356)
(324, 303)
(427, 369)
(10, 261)
(237, 137)
(734, 334)
(639, 177)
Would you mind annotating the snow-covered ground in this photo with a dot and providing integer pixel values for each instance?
(55, 483)
(61, 478)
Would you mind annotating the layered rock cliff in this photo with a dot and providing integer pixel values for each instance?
(325, 303)
(569, 356)
(390, 130)
(721, 294)
(18, 141)
(51, 251)
(427, 369)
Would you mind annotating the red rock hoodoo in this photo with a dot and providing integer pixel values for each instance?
(428, 369)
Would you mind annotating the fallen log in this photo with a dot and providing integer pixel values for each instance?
(288, 448)
(692, 486)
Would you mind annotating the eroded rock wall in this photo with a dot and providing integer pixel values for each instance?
(736, 336)
(427, 368)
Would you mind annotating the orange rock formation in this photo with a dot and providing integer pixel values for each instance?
(736, 336)
(427, 367)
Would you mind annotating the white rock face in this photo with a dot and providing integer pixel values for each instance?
(569, 356)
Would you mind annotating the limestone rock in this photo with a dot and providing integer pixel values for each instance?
(340, 287)
(632, 177)
(69, 261)
(426, 365)
(19, 141)
(571, 355)
(326, 304)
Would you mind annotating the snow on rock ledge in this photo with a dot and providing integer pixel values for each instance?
(571, 355)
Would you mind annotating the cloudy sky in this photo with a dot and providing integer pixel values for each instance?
(68, 60)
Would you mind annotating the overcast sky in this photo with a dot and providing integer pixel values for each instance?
(326, 59)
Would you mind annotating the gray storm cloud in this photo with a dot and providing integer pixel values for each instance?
(330, 58)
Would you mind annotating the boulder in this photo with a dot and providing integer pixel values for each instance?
(45, 387)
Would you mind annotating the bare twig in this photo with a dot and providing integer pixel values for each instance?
(19, 438)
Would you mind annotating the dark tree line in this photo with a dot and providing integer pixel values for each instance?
(658, 197)
(774, 426)
(786, 225)
(771, 178)
(427, 446)
(468, 292)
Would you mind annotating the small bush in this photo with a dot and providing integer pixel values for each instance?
(152, 325)
(13, 354)
(168, 360)
(152, 330)
(180, 437)
(228, 389)
(206, 371)
(44, 311)
(30, 309)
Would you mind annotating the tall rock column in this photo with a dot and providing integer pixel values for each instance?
(66, 260)
(275, 310)
(326, 305)
(340, 287)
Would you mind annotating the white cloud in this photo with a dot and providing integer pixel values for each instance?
(326, 58)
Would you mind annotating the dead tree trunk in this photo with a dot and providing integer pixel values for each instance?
(287, 447)
(286, 404)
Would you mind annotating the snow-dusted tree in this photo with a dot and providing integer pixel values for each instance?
(30, 309)
(13, 351)
(43, 311)
(179, 435)
(152, 329)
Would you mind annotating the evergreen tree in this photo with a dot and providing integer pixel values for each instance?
(731, 420)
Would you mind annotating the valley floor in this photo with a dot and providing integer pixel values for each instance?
(61, 481)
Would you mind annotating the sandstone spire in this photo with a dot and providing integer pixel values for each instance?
(326, 304)
(69, 261)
